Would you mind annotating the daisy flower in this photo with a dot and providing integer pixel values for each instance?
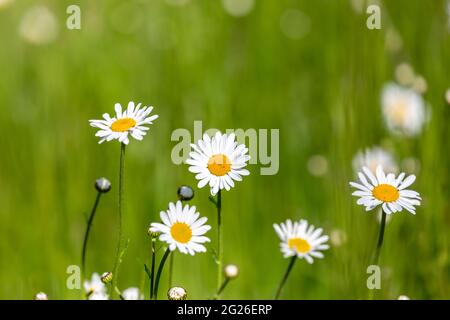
(182, 228)
(95, 289)
(132, 293)
(403, 110)
(301, 240)
(132, 121)
(374, 157)
(218, 161)
(386, 190)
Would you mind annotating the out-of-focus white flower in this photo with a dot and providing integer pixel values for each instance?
(95, 288)
(403, 297)
(39, 25)
(295, 24)
(238, 8)
(403, 110)
(98, 296)
(374, 157)
(132, 293)
(40, 295)
(317, 165)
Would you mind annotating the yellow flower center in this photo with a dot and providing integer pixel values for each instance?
(386, 193)
(123, 125)
(181, 232)
(299, 244)
(399, 112)
(219, 165)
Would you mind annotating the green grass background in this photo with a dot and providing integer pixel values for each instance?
(197, 62)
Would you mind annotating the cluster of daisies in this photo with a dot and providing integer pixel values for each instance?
(219, 161)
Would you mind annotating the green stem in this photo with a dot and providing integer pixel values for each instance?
(171, 270)
(121, 194)
(222, 287)
(286, 275)
(86, 235)
(219, 239)
(158, 275)
(376, 256)
(152, 273)
(380, 238)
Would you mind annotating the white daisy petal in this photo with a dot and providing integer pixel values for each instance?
(407, 182)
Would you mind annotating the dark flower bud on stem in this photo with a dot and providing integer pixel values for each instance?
(102, 185)
(185, 193)
(107, 277)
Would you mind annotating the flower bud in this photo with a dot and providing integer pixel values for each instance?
(153, 234)
(185, 193)
(106, 277)
(102, 185)
(177, 293)
(41, 296)
(231, 271)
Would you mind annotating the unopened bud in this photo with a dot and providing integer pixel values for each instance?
(231, 271)
(153, 234)
(177, 293)
(185, 193)
(106, 277)
(102, 185)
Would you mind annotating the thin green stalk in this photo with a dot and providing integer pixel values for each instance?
(158, 275)
(380, 238)
(286, 275)
(222, 287)
(152, 273)
(376, 256)
(219, 239)
(88, 228)
(121, 194)
(171, 270)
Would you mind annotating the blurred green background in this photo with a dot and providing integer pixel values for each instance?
(309, 68)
